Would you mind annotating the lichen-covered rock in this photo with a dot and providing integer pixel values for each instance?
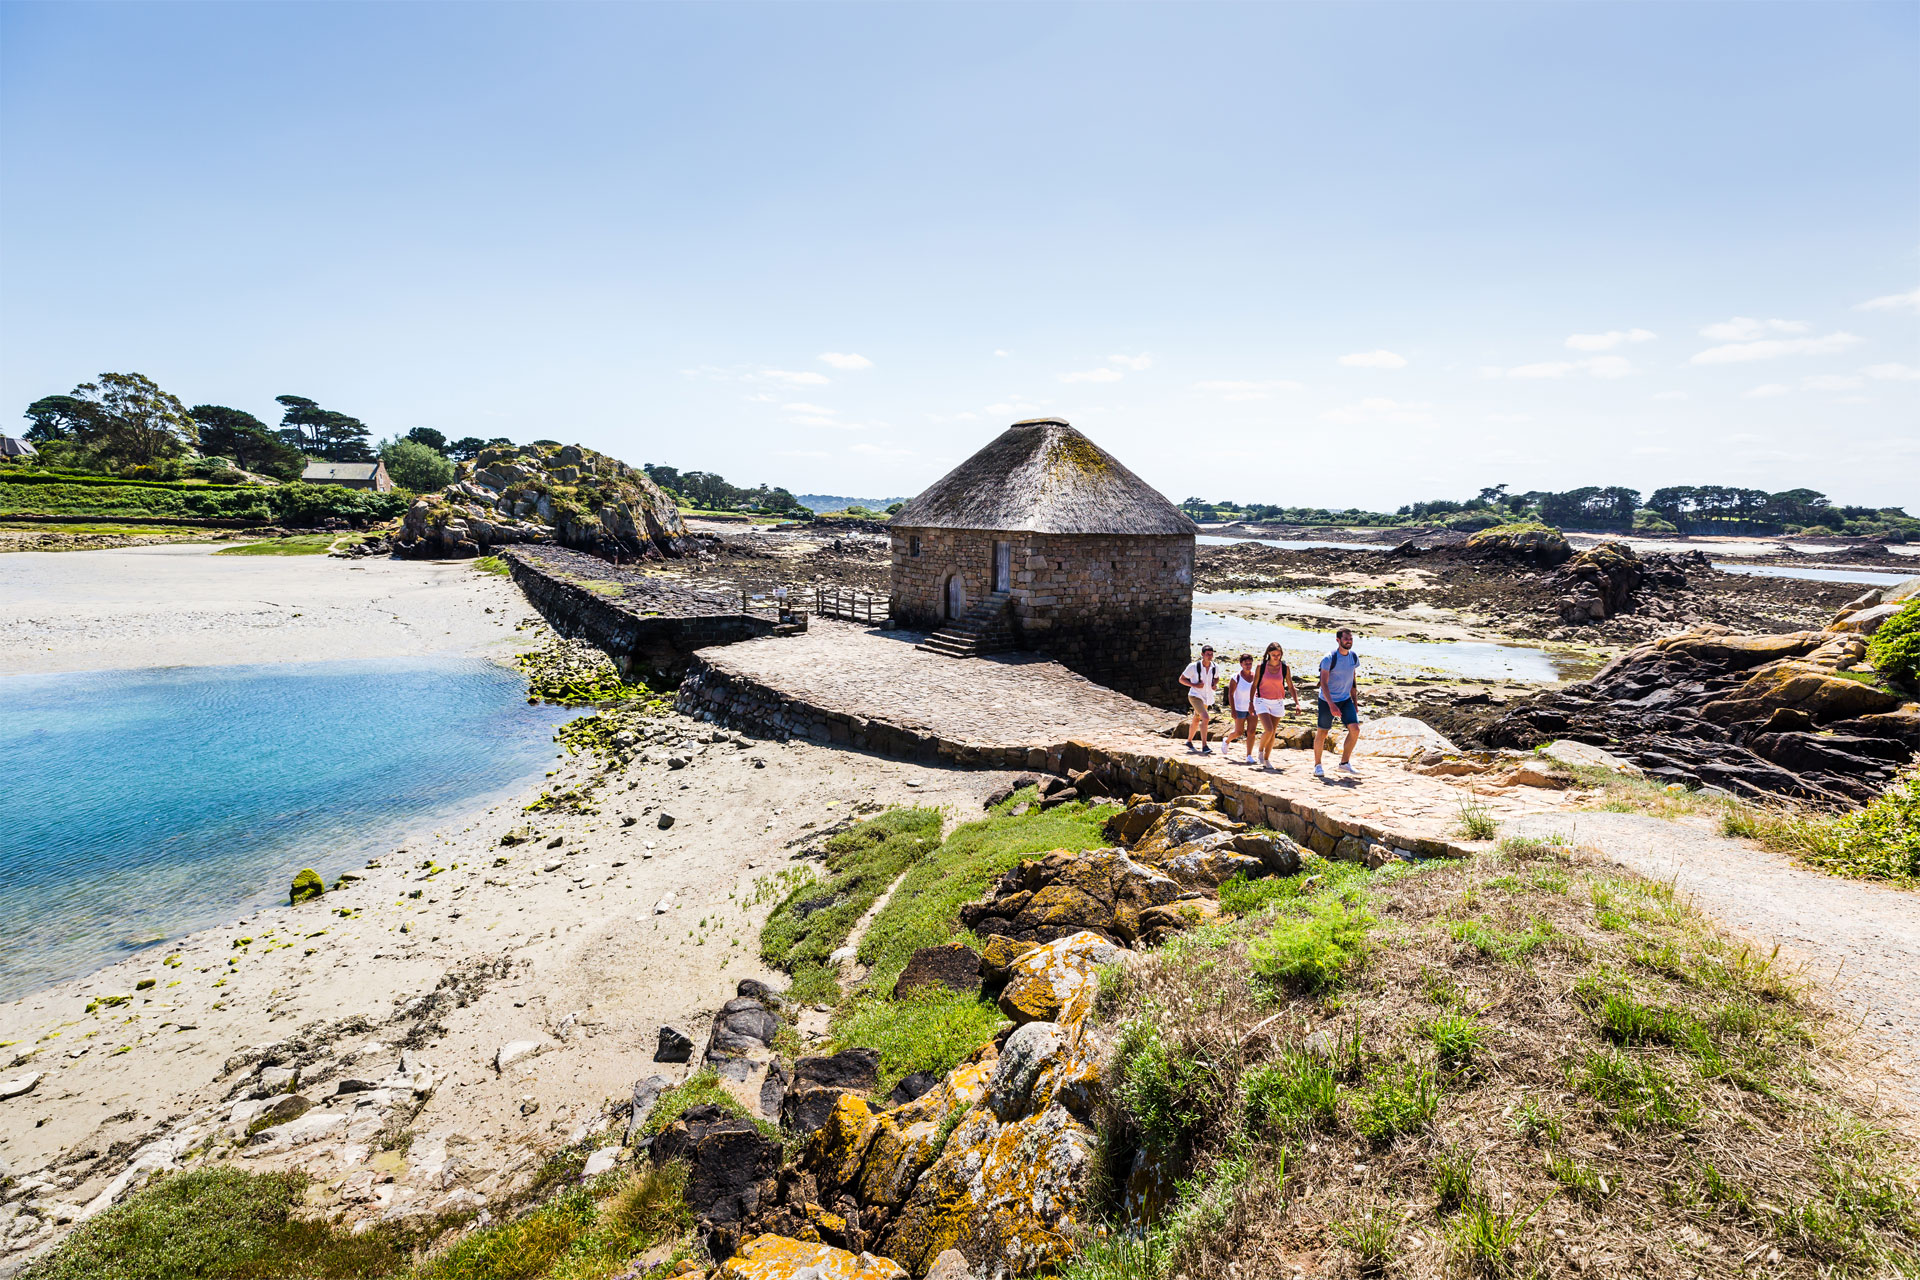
(307, 886)
(836, 1150)
(908, 1138)
(1057, 982)
(771, 1257)
(1102, 891)
(998, 954)
(1801, 686)
(543, 493)
(1010, 1195)
(1178, 826)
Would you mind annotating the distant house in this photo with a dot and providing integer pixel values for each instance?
(15, 447)
(349, 475)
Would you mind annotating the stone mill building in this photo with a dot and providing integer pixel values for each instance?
(1043, 540)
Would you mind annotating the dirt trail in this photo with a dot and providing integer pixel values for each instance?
(1860, 942)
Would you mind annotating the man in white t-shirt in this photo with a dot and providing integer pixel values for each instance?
(1199, 680)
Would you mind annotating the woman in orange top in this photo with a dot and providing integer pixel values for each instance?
(1272, 683)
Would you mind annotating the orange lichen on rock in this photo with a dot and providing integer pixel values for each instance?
(778, 1258)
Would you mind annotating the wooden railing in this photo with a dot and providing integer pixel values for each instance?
(853, 606)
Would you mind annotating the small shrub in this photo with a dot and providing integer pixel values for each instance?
(1508, 945)
(1290, 1096)
(1582, 1181)
(1894, 649)
(1241, 896)
(1312, 953)
(1487, 1240)
(700, 1088)
(1531, 1120)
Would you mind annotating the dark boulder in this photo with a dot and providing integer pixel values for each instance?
(728, 1160)
(955, 967)
(674, 1046)
(848, 1069)
(912, 1087)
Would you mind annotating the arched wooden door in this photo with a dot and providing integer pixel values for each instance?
(956, 597)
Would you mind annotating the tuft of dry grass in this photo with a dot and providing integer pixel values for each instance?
(1532, 1063)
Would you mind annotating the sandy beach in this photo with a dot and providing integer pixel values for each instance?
(185, 605)
(584, 940)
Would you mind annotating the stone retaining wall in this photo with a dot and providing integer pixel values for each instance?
(640, 645)
(747, 705)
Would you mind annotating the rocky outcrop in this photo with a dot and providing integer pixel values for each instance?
(1536, 544)
(776, 1258)
(564, 494)
(1600, 582)
(1757, 716)
(728, 1160)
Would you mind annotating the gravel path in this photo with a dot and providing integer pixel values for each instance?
(1859, 941)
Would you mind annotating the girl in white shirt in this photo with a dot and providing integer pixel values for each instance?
(1240, 702)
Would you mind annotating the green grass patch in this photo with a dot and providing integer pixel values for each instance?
(302, 544)
(1315, 952)
(1399, 1098)
(922, 911)
(492, 564)
(218, 1223)
(1508, 945)
(1635, 1091)
(1456, 1039)
(1165, 1093)
(813, 921)
(1290, 1096)
(932, 1029)
(702, 1088)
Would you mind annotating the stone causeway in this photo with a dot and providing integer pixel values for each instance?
(870, 689)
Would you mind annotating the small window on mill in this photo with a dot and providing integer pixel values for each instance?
(913, 546)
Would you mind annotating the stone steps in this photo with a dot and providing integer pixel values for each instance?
(983, 629)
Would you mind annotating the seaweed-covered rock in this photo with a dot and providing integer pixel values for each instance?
(307, 886)
(543, 493)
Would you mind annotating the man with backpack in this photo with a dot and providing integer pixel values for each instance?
(1199, 680)
(1339, 680)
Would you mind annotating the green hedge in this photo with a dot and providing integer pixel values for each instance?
(89, 479)
(295, 504)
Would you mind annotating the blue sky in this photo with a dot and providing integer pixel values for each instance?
(1311, 254)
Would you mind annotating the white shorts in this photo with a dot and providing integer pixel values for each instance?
(1270, 706)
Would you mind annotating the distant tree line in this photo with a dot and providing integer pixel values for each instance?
(710, 492)
(125, 424)
(1611, 508)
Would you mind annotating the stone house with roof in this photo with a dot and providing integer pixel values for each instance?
(350, 475)
(1043, 540)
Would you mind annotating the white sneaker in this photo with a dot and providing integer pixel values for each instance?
(1318, 772)
(1347, 768)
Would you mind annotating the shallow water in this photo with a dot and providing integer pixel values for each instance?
(1466, 659)
(146, 804)
(1291, 544)
(1864, 577)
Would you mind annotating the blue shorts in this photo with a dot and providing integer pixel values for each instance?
(1349, 714)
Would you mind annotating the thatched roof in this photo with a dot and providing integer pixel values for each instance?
(1042, 476)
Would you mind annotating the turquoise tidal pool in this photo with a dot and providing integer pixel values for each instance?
(144, 804)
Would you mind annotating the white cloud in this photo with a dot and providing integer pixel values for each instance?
(1381, 359)
(1001, 351)
(1772, 348)
(1746, 329)
(802, 453)
(1892, 302)
(1609, 340)
(1381, 409)
(1831, 382)
(802, 378)
(1669, 395)
(1093, 375)
(881, 450)
(1766, 391)
(1135, 363)
(846, 360)
(1245, 389)
(1594, 366)
(1893, 372)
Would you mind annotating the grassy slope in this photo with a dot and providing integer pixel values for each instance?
(936, 1030)
(316, 544)
(1530, 1063)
